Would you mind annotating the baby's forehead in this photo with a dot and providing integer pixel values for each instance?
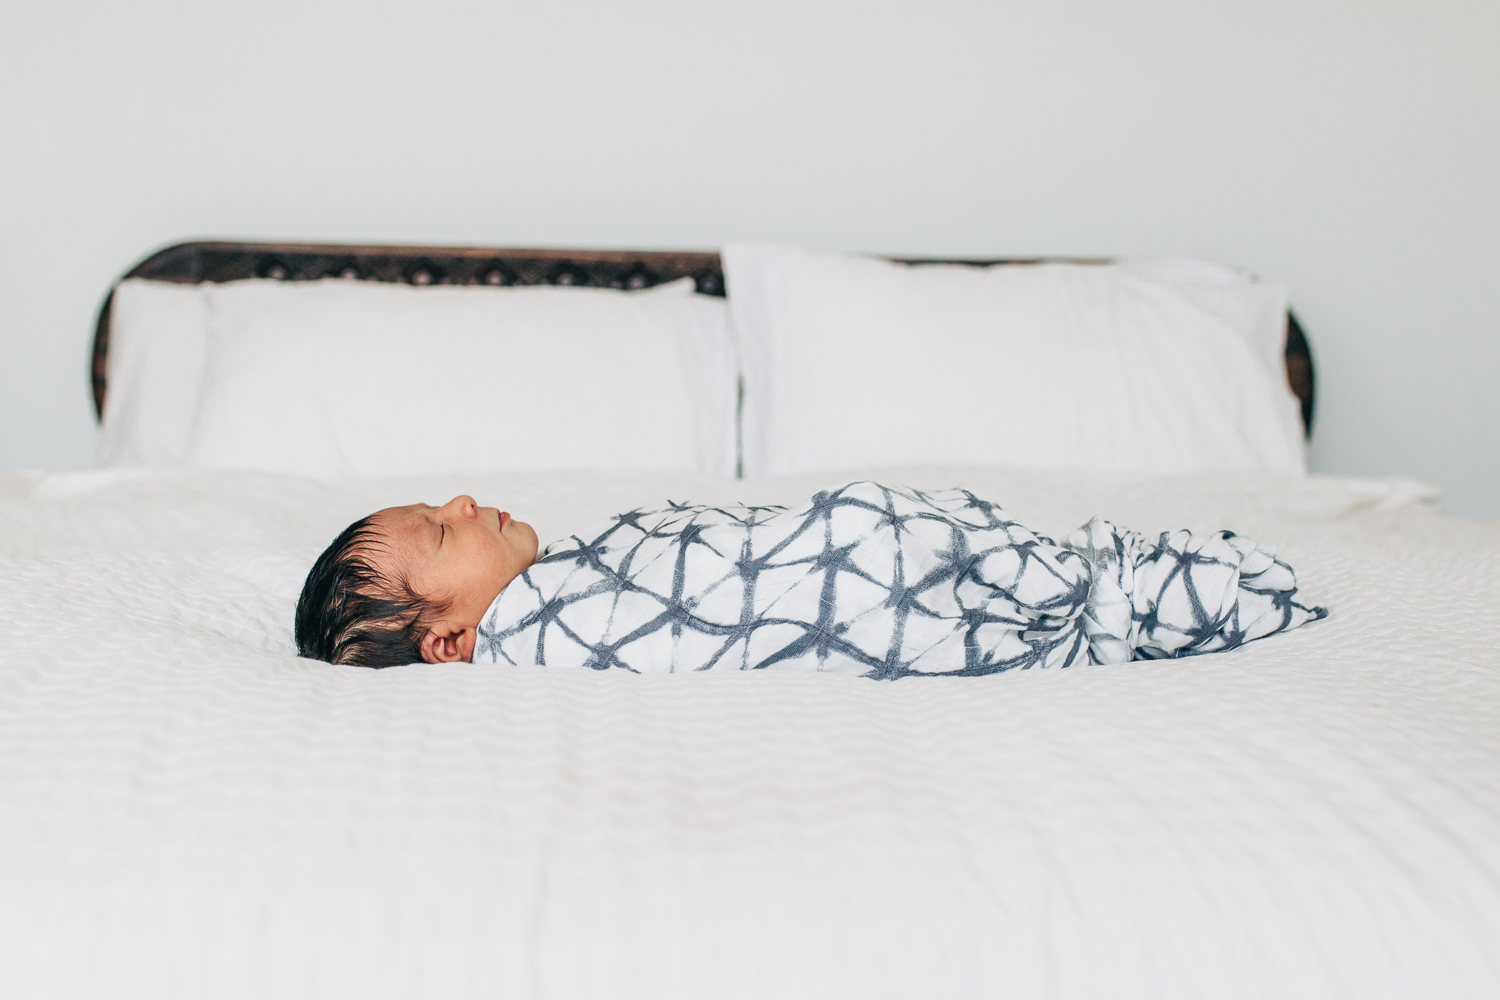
(390, 531)
(399, 520)
(403, 528)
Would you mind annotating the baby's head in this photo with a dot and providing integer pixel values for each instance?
(410, 583)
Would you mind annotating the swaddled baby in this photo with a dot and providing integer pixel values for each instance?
(864, 579)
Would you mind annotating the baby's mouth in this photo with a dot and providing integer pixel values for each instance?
(504, 519)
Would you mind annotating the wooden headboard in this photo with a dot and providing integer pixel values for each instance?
(190, 263)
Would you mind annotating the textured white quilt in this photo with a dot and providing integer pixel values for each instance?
(187, 810)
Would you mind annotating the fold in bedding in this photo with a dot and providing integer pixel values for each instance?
(884, 583)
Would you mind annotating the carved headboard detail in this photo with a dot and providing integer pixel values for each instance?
(190, 263)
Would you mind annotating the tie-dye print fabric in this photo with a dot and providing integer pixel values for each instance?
(881, 582)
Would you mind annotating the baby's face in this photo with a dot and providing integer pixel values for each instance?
(460, 554)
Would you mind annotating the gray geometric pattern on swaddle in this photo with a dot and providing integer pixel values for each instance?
(881, 582)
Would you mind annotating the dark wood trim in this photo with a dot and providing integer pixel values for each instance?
(228, 260)
(1300, 374)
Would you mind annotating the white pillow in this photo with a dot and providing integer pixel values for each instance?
(158, 342)
(348, 379)
(852, 361)
(1255, 309)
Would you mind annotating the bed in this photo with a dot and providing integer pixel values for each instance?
(187, 809)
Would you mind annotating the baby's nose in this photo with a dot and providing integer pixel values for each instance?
(463, 504)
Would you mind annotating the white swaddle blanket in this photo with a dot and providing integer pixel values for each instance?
(881, 582)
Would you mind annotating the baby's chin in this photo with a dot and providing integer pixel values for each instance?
(528, 536)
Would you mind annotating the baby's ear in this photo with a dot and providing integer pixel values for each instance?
(442, 644)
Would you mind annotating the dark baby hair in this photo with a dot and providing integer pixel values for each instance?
(350, 613)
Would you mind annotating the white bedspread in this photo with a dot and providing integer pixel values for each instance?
(187, 810)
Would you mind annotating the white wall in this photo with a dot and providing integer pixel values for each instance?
(1349, 148)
